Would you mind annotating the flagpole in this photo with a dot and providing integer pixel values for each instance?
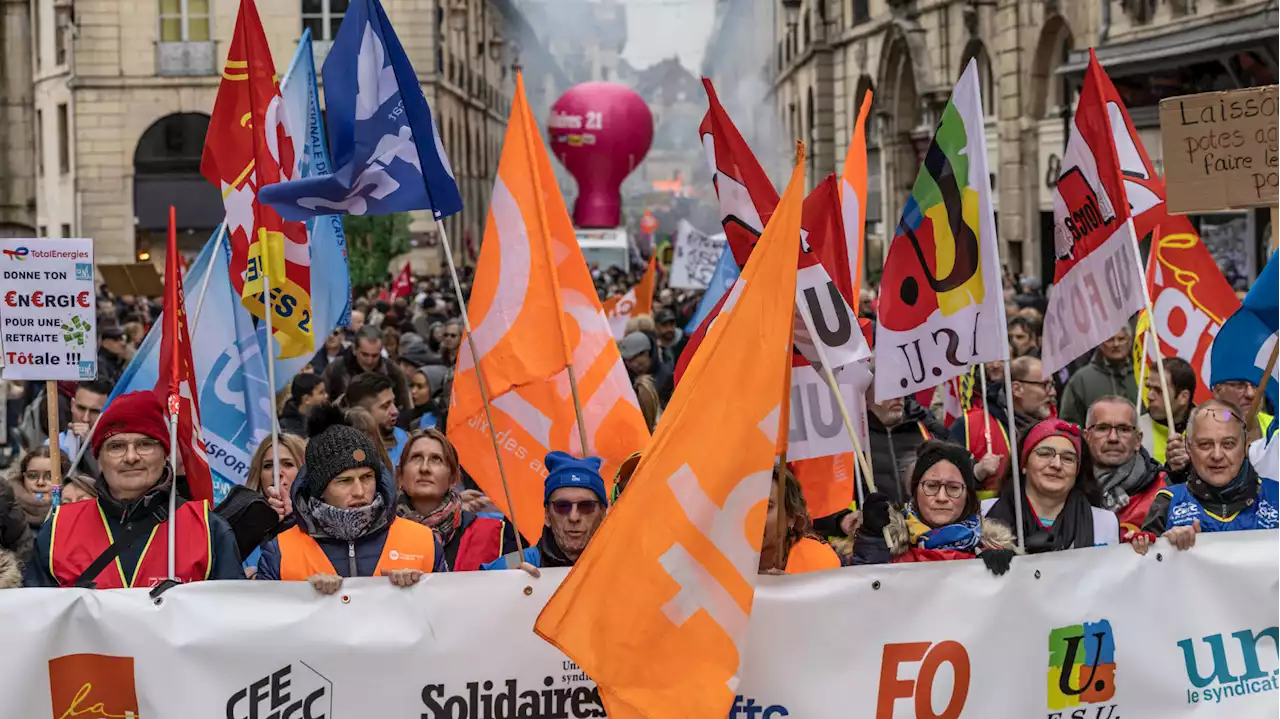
(1013, 450)
(1151, 323)
(484, 393)
(173, 401)
(986, 414)
(268, 305)
(208, 275)
(173, 485)
(551, 265)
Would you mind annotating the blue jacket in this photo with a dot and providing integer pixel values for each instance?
(367, 550)
(1262, 513)
(546, 553)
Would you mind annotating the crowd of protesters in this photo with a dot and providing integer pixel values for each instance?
(369, 483)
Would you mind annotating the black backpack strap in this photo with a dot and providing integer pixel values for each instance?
(124, 540)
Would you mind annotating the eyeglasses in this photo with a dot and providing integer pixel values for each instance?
(1044, 385)
(117, 449)
(1222, 415)
(931, 487)
(1124, 431)
(1068, 459)
(586, 507)
(35, 477)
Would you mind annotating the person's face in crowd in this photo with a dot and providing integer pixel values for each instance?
(115, 346)
(136, 335)
(1113, 437)
(769, 545)
(1117, 348)
(288, 469)
(106, 307)
(1052, 467)
(941, 495)
(1237, 392)
(353, 488)
(38, 479)
(1034, 397)
(333, 343)
(1021, 341)
(1180, 402)
(995, 372)
(437, 333)
(384, 410)
(87, 406)
(425, 475)
(131, 464)
(71, 493)
(420, 389)
(451, 336)
(392, 344)
(574, 514)
(889, 412)
(640, 364)
(667, 332)
(357, 321)
(369, 354)
(1217, 445)
(313, 399)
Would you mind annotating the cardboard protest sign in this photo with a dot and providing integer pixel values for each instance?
(696, 254)
(47, 309)
(1220, 150)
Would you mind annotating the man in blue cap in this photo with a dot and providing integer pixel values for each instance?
(574, 503)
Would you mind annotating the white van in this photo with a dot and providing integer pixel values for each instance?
(605, 248)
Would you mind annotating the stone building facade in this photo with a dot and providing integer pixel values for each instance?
(120, 95)
(823, 55)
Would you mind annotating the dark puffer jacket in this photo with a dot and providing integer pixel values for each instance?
(342, 370)
(893, 449)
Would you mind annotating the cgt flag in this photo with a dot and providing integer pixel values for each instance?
(656, 608)
(637, 301)
(1096, 282)
(940, 298)
(517, 333)
(403, 285)
(249, 145)
(386, 149)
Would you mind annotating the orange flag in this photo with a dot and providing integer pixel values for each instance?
(853, 196)
(638, 301)
(656, 609)
(533, 302)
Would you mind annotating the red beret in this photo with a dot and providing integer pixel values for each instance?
(141, 412)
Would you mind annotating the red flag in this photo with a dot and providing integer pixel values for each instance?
(403, 286)
(249, 145)
(178, 375)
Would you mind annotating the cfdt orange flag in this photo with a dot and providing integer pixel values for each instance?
(853, 197)
(638, 301)
(656, 609)
(533, 302)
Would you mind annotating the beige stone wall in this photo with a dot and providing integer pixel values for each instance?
(17, 121)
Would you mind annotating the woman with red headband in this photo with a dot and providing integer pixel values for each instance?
(1060, 502)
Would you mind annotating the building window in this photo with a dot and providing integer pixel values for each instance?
(61, 28)
(36, 37)
(44, 232)
(861, 12)
(323, 17)
(64, 140)
(39, 142)
(184, 21)
(66, 229)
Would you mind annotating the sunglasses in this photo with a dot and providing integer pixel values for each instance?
(586, 507)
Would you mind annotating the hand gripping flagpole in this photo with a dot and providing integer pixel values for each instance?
(551, 265)
(484, 393)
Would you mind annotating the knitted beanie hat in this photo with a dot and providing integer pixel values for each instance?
(335, 447)
(141, 412)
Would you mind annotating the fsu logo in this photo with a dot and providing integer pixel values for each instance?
(92, 685)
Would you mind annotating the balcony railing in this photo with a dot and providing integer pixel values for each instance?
(186, 59)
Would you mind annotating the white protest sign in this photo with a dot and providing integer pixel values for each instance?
(47, 309)
(696, 255)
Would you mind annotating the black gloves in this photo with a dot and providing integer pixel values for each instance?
(997, 560)
(875, 514)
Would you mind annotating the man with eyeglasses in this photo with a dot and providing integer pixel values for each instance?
(121, 540)
(1034, 398)
(1110, 372)
(575, 502)
(1224, 492)
(1240, 392)
(1127, 476)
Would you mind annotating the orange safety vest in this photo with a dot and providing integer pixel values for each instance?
(409, 545)
(810, 555)
(80, 535)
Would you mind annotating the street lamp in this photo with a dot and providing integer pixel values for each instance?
(495, 48)
(791, 10)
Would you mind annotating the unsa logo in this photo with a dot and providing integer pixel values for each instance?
(920, 691)
(296, 691)
(1082, 664)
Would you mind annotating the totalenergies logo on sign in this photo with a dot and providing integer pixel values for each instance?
(920, 690)
(19, 254)
(92, 686)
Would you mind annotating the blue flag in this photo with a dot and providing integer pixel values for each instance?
(230, 369)
(722, 280)
(386, 149)
(1245, 343)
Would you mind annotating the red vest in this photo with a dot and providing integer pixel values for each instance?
(409, 545)
(975, 438)
(1133, 514)
(80, 535)
(481, 543)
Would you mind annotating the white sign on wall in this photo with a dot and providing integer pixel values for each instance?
(48, 309)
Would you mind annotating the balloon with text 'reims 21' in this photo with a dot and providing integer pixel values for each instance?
(47, 309)
(600, 131)
(1220, 150)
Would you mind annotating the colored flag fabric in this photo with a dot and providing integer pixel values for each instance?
(517, 330)
(853, 199)
(403, 285)
(249, 145)
(386, 149)
(1248, 338)
(1097, 274)
(656, 609)
(230, 369)
(637, 301)
(722, 279)
(178, 376)
(940, 294)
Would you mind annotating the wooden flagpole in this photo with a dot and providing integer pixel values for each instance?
(1151, 319)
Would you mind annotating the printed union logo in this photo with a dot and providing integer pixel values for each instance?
(1221, 682)
(20, 254)
(92, 685)
(1082, 664)
(296, 691)
(84, 271)
(920, 692)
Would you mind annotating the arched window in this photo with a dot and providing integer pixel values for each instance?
(986, 77)
(322, 17)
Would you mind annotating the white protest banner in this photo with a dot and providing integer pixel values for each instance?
(48, 309)
(1068, 635)
(696, 255)
(817, 429)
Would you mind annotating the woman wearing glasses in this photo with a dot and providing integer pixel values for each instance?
(1060, 500)
(33, 485)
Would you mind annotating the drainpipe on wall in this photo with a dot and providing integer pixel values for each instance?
(1104, 32)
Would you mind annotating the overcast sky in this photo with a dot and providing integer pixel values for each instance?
(658, 29)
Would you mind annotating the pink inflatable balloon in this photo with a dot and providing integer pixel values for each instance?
(600, 131)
